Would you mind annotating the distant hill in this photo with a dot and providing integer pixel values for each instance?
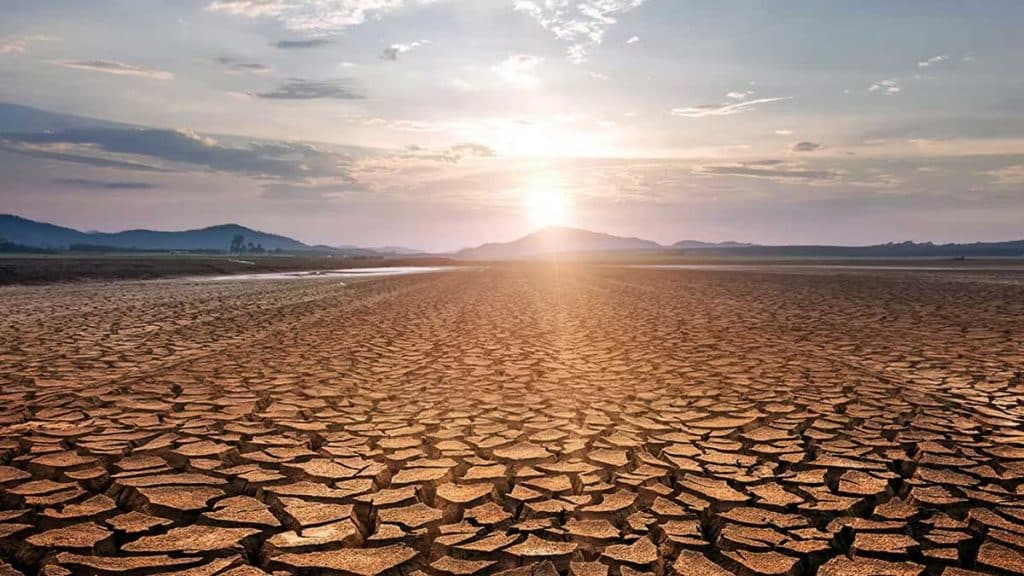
(698, 244)
(25, 232)
(1013, 248)
(396, 250)
(552, 241)
(557, 240)
(19, 234)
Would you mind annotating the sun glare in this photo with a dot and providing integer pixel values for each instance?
(546, 208)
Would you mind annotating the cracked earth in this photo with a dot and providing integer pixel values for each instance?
(529, 421)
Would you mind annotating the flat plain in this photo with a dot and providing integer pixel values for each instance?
(581, 420)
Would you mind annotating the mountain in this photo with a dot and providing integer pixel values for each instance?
(393, 250)
(1009, 249)
(25, 232)
(698, 244)
(557, 240)
(396, 250)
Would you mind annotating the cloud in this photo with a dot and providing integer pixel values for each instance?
(159, 150)
(783, 132)
(19, 44)
(734, 95)
(932, 61)
(392, 51)
(62, 153)
(769, 169)
(519, 69)
(807, 147)
(118, 68)
(233, 66)
(723, 109)
(313, 16)
(887, 87)
(462, 85)
(301, 89)
(307, 193)
(1008, 176)
(471, 149)
(580, 24)
(633, 40)
(301, 44)
(105, 184)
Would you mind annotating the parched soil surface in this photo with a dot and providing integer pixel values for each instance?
(571, 420)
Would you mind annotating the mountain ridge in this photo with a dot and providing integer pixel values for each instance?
(552, 241)
(557, 240)
(27, 232)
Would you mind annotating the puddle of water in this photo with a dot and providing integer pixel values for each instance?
(336, 273)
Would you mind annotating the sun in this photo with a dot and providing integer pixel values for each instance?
(546, 207)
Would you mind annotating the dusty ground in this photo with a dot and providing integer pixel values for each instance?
(584, 421)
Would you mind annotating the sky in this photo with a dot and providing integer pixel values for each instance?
(440, 124)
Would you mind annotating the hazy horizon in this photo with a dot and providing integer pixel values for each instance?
(442, 124)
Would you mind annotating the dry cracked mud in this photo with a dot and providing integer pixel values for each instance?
(527, 421)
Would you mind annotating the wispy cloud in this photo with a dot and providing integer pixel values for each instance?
(888, 87)
(633, 40)
(724, 108)
(302, 89)
(313, 16)
(519, 69)
(1008, 176)
(928, 63)
(19, 44)
(462, 85)
(580, 24)
(104, 184)
(807, 147)
(393, 51)
(117, 68)
(233, 66)
(301, 44)
(158, 150)
(769, 169)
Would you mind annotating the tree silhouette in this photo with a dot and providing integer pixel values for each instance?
(237, 243)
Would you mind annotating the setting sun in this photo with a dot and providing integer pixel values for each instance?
(546, 207)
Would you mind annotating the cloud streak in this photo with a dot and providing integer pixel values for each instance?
(724, 108)
(807, 147)
(302, 89)
(768, 169)
(20, 44)
(158, 150)
(301, 44)
(104, 184)
(1008, 175)
(116, 68)
(232, 66)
